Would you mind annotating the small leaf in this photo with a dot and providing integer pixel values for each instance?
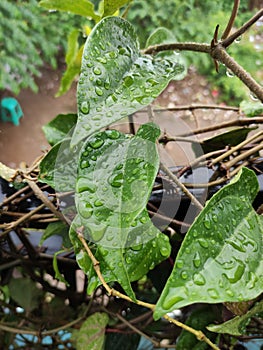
(72, 46)
(251, 109)
(92, 332)
(59, 167)
(57, 228)
(25, 293)
(6, 172)
(116, 80)
(80, 7)
(237, 325)
(220, 259)
(56, 130)
(58, 274)
(111, 6)
(115, 177)
(228, 138)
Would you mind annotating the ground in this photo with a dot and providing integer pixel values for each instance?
(26, 141)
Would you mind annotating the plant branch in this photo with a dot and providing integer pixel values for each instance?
(231, 20)
(237, 122)
(200, 336)
(219, 53)
(228, 41)
(186, 46)
(181, 186)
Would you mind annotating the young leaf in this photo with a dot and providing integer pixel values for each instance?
(56, 130)
(237, 325)
(115, 177)
(111, 6)
(220, 259)
(58, 274)
(80, 7)
(116, 80)
(92, 332)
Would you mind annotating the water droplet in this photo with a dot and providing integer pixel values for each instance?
(128, 259)
(207, 223)
(102, 60)
(89, 64)
(203, 242)
(122, 50)
(109, 237)
(229, 292)
(107, 84)
(213, 293)
(99, 82)
(179, 263)
(199, 279)
(84, 164)
(229, 73)
(197, 260)
(215, 218)
(112, 54)
(97, 70)
(116, 180)
(114, 135)
(98, 203)
(128, 81)
(252, 280)
(253, 96)
(164, 251)
(184, 275)
(152, 82)
(84, 185)
(85, 210)
(98, 91)
(84, 108)
(236, 245)
(170, 300)
(195, 234)
(238, 39)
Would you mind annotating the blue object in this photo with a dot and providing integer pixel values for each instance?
(11, 110)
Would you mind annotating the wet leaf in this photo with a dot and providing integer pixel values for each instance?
(115, 177)
(80, 7)
(228, 138)
(237, 325)
(116, 80)
(251, 109)
(92, 332)
(58, 128)
(220, 259)
(59, 167)
(57, 228)
(111, 6)
(29, 298)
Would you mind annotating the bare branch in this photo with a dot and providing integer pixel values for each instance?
(187, 46)
(231, 20)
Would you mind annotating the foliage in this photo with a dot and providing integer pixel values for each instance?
(116, 244)
(29, 38)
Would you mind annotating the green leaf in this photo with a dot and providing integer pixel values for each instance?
(80, 7)
(116, 80)
(237, 325)
(111, 6)
(220, 259)
(59, 167)
(25, 293)
(57, 228)
(58, 274)
(72, 47)
(228, 138)
(92, 332)
(251, 109)
(56, 130)
(115, 177)
(67, 79)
